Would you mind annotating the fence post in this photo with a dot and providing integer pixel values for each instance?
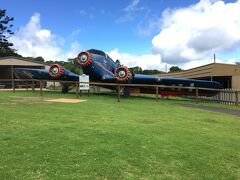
(13, 85)
(41, 87)
(27, 85)
(77, 90)
(197, 96)
(118, 89)
(237, 98)
(33, 86)
(157, 93)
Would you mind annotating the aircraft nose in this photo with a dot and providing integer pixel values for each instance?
(84, 58)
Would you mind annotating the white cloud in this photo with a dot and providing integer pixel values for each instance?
(191, 35)
(32, 40)
(74, 50)
(77, 31)
(132, 6)
(130, 11)
(145, 61)
(148, 27)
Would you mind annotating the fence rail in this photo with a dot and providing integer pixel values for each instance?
(228, 96)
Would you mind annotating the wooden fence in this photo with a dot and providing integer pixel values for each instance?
(227, 96)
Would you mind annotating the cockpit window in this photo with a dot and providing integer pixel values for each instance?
(101, 53)
(95, 51)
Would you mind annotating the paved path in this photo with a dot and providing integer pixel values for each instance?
(211, 108)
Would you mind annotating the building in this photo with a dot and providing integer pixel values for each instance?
(8, 63)
(227, 74)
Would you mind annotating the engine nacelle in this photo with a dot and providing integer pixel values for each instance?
(84, 58)
(122, 74)
(55, 71)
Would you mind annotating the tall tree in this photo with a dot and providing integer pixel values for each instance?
(175, 69)
(5, 33)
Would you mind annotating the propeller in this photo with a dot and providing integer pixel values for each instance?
(122, 73)
(55, 71)
(84, 58)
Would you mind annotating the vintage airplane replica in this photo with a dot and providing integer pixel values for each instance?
(101, 68)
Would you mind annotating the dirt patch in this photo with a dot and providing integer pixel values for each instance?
(210, 108)
(65, 100)
(38, 100)
(27, 100)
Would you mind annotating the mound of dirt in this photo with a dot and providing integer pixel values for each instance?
(65, 100)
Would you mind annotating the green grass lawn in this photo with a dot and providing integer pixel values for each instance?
(137, 138)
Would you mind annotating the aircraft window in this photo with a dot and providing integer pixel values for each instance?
(101, 53)
(94, 51)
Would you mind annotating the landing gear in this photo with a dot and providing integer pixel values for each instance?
(65, 88)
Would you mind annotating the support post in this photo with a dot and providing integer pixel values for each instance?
(13, 85)
(27, 85)
(118, 91)
(77, 90)
(41, 84)
(88, 92)
(237, 98)
(12, 76)
(157, 93)
(197, 96)
(33, 86)
(54, 85)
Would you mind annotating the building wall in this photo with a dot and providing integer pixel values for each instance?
(236, 82)
(226, 74)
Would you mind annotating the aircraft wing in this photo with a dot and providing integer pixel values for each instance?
(149, 79)
(55, 73)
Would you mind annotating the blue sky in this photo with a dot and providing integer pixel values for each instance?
(128, 26)
(100, 24)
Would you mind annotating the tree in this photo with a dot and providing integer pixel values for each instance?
(135, 70)
(175, 69)
(151, 71)
(5, 33)
(39, 59)
(118, 62)
(70, 64)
